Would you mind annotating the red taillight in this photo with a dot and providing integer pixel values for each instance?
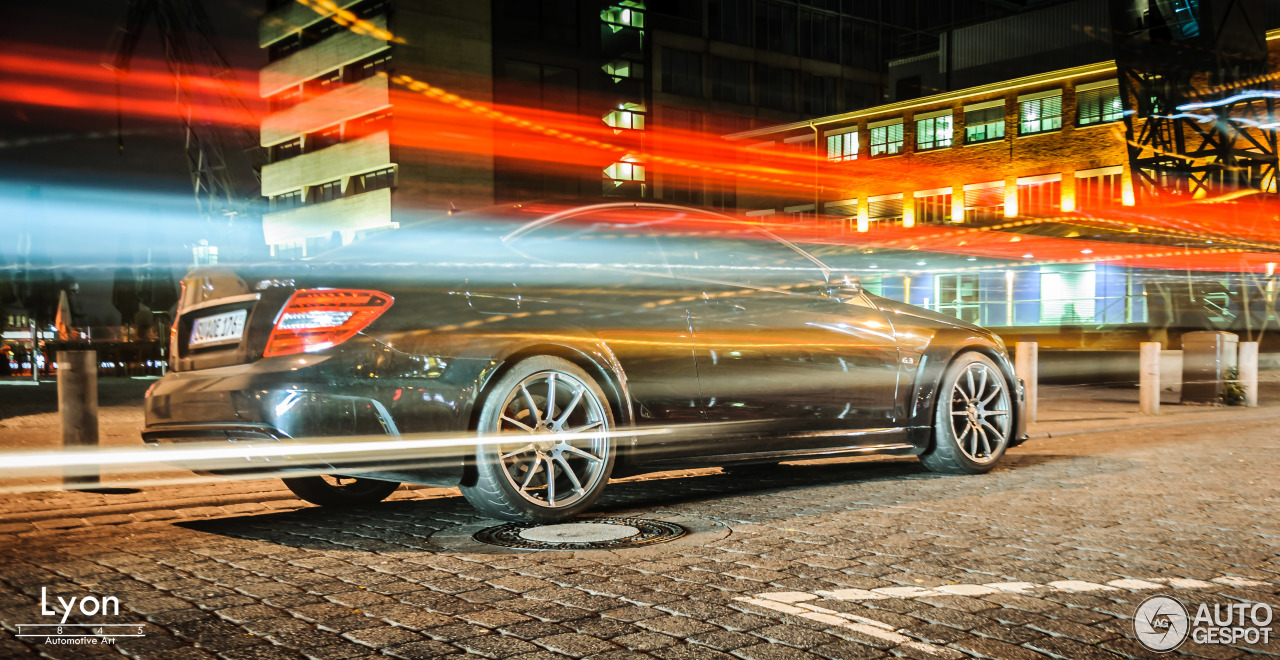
(315, 319)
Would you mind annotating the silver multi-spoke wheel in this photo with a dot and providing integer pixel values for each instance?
(554, 455)
(563, 457)
(980, 414)
(974, 417)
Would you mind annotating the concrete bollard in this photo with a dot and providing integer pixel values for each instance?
(78, 408)
(1027, 367)
(1247, 363)
(1149, 378)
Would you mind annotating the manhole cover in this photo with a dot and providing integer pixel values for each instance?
(593, 534)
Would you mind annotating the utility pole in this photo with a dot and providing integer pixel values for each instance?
(221, 192)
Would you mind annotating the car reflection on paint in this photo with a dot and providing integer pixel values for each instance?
(570, 332)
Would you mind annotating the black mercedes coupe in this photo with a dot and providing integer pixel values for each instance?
(577, 344)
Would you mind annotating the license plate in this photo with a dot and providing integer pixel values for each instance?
(218, 329)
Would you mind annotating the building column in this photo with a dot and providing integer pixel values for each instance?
(908, 209)
(1010, 196)
(957, 203)
(864, 213)
(1127, 197)
(1068, 201)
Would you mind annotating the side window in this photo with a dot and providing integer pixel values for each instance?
(589, 242)
(751, 258)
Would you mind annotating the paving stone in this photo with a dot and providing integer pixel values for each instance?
(997, 650)
(1061, 647)
(496, 646)
(773, 652)
(574, 644)
(676, 626)
(423, 649)
(381, 636)
(723, 640)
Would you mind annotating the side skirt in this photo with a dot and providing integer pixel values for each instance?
(892, 441)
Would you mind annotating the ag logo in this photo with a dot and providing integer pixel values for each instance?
(1161, 623)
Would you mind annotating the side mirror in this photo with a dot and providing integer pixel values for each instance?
(846, 286)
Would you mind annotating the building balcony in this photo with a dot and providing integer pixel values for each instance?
(368, 153)
(346, 102)
(334, 51)
(294, 16)
(348, 215)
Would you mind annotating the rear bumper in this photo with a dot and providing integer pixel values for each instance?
(251, 405)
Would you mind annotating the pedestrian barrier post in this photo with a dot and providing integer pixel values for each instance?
(1026, 366)
(78, 408)
(1247, 363)
(1149, 378)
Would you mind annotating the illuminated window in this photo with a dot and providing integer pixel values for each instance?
(1040, 113)
(619, 69)
(884, 211)
(933, 132)
(957, 295)
(625, 171)
(886, 140)
(933, 209)
(1099, 104)
(1041, 194)
(626, 14)
(984, 202)
(629, 116)
(984, 122)
(1099, 188)
(1067, 294)
(843, 146)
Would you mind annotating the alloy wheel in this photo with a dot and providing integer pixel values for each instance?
(554, 466)
(980, 413)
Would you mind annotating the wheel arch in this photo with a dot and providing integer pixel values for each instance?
(594, 358)
(933, 365)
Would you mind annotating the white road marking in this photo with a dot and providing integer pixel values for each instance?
(797, 602)
(967, 589)
(1079, 586)
(1022, 588)
(868, 627)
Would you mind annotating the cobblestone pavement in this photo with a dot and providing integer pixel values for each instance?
(1047, 556)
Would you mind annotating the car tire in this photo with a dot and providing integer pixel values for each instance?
(973, 417)
(538, 399)
(340, 491)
